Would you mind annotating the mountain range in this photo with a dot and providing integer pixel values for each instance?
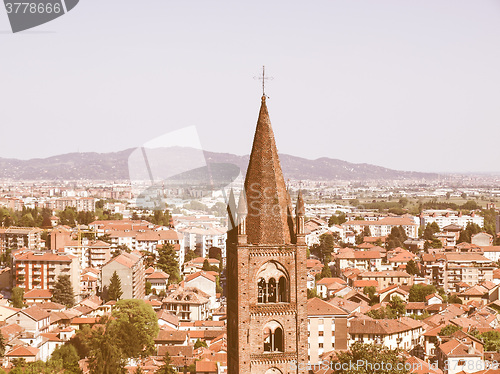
(115, 166)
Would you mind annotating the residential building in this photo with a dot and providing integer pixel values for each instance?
(387, 278)
(39, 270)
(449, 217)
(130, 269)
(188, 304)
(362, 260)
(327, 328)
(20, 237)
(383, 226)
(405, 333)
(447, 269)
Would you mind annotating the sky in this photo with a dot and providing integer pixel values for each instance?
(409, 85)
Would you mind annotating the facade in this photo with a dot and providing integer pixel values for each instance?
(447, 269)
(383, 226)
(188, 304)
(130, 269)
(20, 237)
(362, 260)
(387, 278)
(327, 328)
(449, 217)
(404, 334)
(266, 262)
(39, 270)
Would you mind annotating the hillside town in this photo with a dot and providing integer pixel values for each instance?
(410, 269)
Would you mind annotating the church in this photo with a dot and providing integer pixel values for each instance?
(266, 267)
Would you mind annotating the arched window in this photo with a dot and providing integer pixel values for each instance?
(272, 286)
(273, 337)
(283, 291)
(262, 291)
(271, 291)
(273, 371)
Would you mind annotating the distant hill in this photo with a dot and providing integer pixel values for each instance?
(115, 166)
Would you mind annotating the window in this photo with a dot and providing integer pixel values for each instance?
(320, 333)
(320, 345)
(320, 321)
(273, 337)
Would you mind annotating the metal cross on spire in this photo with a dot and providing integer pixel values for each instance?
(263, 78)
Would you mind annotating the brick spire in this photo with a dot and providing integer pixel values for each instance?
(267, 198)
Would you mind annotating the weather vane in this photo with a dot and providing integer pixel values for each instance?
(264, 78)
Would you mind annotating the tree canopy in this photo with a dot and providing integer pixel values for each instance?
(418, 292)
(63, 291)
(17, 297)
(366, 358)
(115, 288)
(167, 261)
(134, 327)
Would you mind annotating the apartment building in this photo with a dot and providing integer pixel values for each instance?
(201, 239)
(383, 226)
(130, 270)
(387, 278)
(405, 333)
(20, 237)
(447, 217)
(188, 304)
(327, 328)
(39, 270)
(362, 260)
(81, 204)
(447, 269)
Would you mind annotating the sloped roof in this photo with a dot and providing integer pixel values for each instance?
(266, 194)
(318, 307)
(35, 313)
(38, 294)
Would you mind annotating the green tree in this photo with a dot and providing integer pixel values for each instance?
(311, 294)
(148, 287)
(454, 299)
(325, 273)
(470, 230)
(134, 327)
(115, 288)
(206, 265)
(68, 355)
(17, 297)
(418, 292)
(190, 254)
(491, 340)
(448, 330)
(371, 292)
(2, 345)
(105, 357)
(166, 368)
(369, 354)
(167, 261)
(396, 238)
(411, 268)
(63, 291)
(200, 343)
(397, 306)
(326, 246)
(337, 219)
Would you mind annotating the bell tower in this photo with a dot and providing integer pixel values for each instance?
(266, 268)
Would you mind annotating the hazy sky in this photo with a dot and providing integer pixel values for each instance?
(412, 85)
